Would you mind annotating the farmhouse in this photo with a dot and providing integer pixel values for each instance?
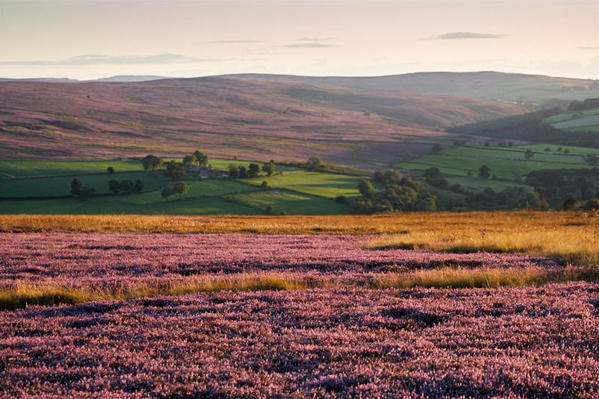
(205, 172)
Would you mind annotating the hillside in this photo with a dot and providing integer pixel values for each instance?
(226, 117)
(535, 89)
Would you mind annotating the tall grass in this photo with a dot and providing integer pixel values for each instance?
(55, 294)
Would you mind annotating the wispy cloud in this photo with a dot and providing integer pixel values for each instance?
(92, 59)
(589, 48)
(465, 35)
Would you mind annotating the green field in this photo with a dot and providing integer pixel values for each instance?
(587, 120)
(291, 202)
(505, 162)
(293, 192)
(322, 184)
(61, 185)
(30, 168)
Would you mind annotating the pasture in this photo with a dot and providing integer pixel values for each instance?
(583, 121)
(34, 187)
(507, 163)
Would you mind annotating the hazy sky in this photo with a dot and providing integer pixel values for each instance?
(88, 39)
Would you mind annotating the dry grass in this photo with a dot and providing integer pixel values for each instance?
(573, 236)
(521, 221)
(25, 295)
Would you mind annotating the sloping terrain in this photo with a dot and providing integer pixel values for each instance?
(492, 85)
(227, 117)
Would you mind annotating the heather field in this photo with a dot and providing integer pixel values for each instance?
(525, 342)
(383, 306)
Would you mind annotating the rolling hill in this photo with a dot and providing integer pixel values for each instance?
(535, 89)
(226, 117)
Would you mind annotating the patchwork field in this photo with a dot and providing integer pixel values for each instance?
(583, 121)
(508, 164)
(493, 304)
(43, 187)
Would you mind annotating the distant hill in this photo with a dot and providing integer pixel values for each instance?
(252, 119)
(536, 89)
(129, 78)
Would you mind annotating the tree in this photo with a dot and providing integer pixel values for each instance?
(254, 170)
(110, 170)
(432, 173)
(79, 190)
(181, 189)
(269, 209)
(127, 187)
(189, 160)
(378, 177)
(76, 187)
(392, 177)
(139, 186)
(529, 154)
(151, 162)
(314, 163)
(200, 158)
(242, 172)
(233, 172)
(342, 199)
(427, 204)
(269, 168)
(366, 188)
(264, 185)
(114, 186)
(166, 192)
(484, 172)
(571, 204)
(175, 170)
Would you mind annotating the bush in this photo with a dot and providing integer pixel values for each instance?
(269, 209)
(110, 170)
(342, 199)
(264, 185)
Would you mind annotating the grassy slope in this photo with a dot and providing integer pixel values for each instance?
(225, 118)
(322, 184)
(494, 85)
(569, 121)
(503, 161)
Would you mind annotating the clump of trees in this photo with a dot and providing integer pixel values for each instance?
(253, 170)
(125, 187)
(180, 189)
(79, 190)
(399, 194)
(151, 163)
(175, 170)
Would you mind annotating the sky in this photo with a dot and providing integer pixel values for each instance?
(88, 39)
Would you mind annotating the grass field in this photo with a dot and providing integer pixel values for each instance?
(587, 120)
(504, 162)
(291, 202)
(31, 168)
(34, 186)
(61, 185)
(322, 184)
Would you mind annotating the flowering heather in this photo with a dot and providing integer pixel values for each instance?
(519, 342)
(38, 257)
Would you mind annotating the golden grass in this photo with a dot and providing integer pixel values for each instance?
(25, 295)
(51, 294)
(573, 236)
